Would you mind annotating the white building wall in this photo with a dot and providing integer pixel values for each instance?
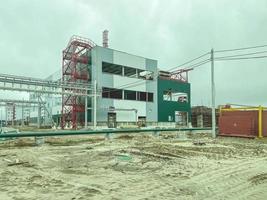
(129, 116)
(122, 81)
(122, 58)
(148, 109)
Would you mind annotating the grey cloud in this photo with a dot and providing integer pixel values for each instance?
(35, 32)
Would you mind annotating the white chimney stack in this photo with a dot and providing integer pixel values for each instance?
(105, 38)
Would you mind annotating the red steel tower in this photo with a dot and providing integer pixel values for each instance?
(75, 70)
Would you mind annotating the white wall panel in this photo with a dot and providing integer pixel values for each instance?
(127, 104)
(126, 59)
(122, 80)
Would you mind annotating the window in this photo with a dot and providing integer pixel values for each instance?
(111, 68)
(175, 96)
(150, 97)
(146, 75)
(116, 94)
(141, 96)
(126, 71)
(167, 95)
(112, 93)
(179, 97)
(129, 95)
(105, 92)
(130, 72)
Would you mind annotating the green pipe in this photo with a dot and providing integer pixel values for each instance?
(90, 132)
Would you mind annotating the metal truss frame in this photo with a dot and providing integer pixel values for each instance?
(75, 70)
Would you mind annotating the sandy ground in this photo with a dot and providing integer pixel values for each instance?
(139, 166)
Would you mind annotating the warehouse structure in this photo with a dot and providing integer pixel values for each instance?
(123, 88)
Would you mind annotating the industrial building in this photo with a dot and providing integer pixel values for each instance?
(122, 89)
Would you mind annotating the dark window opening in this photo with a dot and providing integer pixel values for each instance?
(105, 92)
(116, 94)
(130, 72)
(111, 68)
(142, 96)
(129, 95)
(150, 97)
(112, 93)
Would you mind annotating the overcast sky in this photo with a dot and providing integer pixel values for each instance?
(34, 33)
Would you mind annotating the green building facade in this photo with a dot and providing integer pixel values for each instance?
(173, 100)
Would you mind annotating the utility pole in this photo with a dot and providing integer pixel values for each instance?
(22, 115)
(6, 116)
(39, 115)
(85, 113)
(213, 95)
(1, 120)
(95, 104)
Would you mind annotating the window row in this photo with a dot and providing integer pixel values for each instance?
(126, 71)
(113, 93)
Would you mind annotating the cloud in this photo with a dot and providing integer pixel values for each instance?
(35, 32)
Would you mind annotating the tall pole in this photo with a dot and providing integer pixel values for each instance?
(6, 116)
(85, 113)
(95, 104)
(1, 119)
(39, 116)
(213, 95)
(22, 115)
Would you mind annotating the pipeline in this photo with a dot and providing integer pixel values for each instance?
(91, 132)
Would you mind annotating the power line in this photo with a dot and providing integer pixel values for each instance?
(136, 83)
(242, 58)
(198, 64)
(172, 69)
(238, 49)
(129, 85)
(247, 54)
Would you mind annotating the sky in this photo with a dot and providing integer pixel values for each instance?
(34, 33)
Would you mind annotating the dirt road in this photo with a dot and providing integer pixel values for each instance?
(134, 167)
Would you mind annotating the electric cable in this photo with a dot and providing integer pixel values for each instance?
(174, 68)
(247, 54)
(136, 83)
(196, 64)
(241, 58)
(239, 49)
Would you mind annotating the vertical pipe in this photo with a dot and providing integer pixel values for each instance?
(213, 95)
(260, 121)
(95, 104)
